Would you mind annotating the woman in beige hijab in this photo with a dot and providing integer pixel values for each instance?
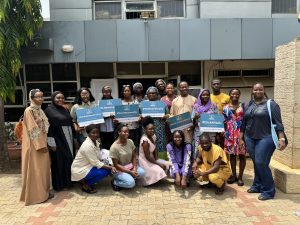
(35, 155)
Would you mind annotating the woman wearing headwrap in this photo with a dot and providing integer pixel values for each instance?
(159, 123)
(160, 84)
(60, 141)
(35, 155)
(138, 92)
(202, 105)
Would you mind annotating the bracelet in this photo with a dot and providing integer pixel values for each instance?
(281, 139)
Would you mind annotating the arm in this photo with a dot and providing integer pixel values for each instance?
(214, 169)
(171, 156)
(91, 156)
(276, 119)
(187, 159)
(119, 167)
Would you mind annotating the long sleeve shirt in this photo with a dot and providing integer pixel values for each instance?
(256, 123)
(181, 161)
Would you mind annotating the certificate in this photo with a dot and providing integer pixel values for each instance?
(180, 121)
(211, 123)
(152, 108)
(127, 113)
(108, 106)
(86, 117)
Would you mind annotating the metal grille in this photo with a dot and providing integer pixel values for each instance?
(284, 6)
(108, 10)
(170, 8)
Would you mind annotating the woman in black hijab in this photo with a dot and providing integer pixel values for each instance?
(60, 141)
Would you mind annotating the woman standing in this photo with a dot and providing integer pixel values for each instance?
(256, 132)
(159, 123)
(84, 100)
(35, 155)
(123, 155)
(203, 105)
(60, 140)
(167, 99)
(160, 84)
(179, 154)
(88, 168)
(107, 128)
(233, 115)
(148, 157)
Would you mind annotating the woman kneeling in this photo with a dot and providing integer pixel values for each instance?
(87, 167)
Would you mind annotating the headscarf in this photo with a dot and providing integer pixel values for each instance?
(137, 85)
(152, 89)
(38, 112)
(160, 80)
(106, 87)
(58, 115)
(198, 105)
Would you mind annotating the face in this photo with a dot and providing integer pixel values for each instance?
(59, 99)
(38, 98)
(258, 91)
(127, 92)
(152, 96)
(124, 133)
(150, 130)
(205, 144)
(94, 134)
(85, 96)
(205, 97)
(170, 89)
(177, 139)
(184, 88)
(161, 85)
(235, 95)
(106, 94)
(138, 90)
(216, 85)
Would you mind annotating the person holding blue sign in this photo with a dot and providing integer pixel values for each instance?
(203, 105)
(257, 135)
(233, 115)
(83, 100)
(123, 155)
(107, 128)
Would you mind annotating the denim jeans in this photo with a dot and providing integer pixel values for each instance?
(95, 175)
(125, 180)
(261, 151)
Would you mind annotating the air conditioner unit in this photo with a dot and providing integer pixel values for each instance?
(147, 15)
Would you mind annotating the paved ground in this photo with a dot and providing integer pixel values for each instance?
(159, 204)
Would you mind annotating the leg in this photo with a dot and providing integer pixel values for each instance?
(124, 180)
(242, 166)
(251, 147)
(233, 178)
(141, 172)
(95, 175)
(265, 148)
(219, 179)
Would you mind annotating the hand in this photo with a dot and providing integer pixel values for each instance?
(177, 179)
(195, 166)
(162, 166)
(197, 173)
(281, 144)
(53, 149)
(43, 150)
(134, 173)
(197, 115)
(113, 169)
(115, 121)
(166, 116)
(241, 143)
(183, 182)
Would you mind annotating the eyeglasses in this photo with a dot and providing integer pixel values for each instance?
(126, 85)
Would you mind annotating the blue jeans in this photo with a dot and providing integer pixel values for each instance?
(261, 151)
(95, 175)
(125, 180)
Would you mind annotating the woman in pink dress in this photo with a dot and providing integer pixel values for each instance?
(148, 159)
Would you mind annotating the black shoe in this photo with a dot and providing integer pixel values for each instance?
(250, 190)
(263, 198)
(115, 187)
(51, 195)
(232, 179)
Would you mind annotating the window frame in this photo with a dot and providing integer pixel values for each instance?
(94, 8)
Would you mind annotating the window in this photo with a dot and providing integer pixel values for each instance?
(108, 10)
(136, 9)
(244, 73)
(170, 8)
(284, 6)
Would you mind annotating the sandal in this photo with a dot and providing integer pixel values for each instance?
(220, 190)
(88, 189)
(240, 183)
(232, 180)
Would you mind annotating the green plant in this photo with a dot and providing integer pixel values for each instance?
(9, 131)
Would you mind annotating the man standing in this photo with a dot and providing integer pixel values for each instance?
(221, 99)
(183, 103)
(211, 164)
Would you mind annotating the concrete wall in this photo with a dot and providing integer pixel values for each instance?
(165, 40)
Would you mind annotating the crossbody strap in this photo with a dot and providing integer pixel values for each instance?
(269, 109)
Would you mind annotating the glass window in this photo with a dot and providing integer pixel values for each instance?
(38, 72)
(69, 90)
(63, 71)
(18, 98)
(139, 6)
(108, 10)
(284, 6)
(44, 87)
(170, 8)
(128, 68)
(153, 68)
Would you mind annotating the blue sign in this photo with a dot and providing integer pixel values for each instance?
(211, 123)
(127, 113)
(86, 117)
(180, 121)
(108, 106)
(153, 108)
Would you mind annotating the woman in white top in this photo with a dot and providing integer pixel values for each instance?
(88, 167)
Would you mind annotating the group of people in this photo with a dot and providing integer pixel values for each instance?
(129, 152)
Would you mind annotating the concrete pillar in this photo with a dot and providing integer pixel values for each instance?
(192, 9)
(286, 164)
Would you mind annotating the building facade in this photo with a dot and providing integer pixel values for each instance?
(92, 43)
